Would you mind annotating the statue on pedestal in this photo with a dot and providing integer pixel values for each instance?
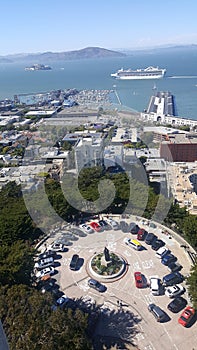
(106, 254)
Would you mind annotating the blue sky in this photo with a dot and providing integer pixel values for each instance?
(62, 25)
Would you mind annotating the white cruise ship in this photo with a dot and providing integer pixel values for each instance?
(147, 73)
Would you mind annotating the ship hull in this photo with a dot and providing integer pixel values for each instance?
(134, 77)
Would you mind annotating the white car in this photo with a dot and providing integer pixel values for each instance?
(161, 252)
(44, 272)
(113, 223)
(86, 228)
(155, 285)
(174, 291)
(56, 247)
(42, 263)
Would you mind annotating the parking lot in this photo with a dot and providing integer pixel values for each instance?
(122, 294)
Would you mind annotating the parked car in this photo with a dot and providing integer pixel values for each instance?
(186, 316)
(172, 278)
(152, 225)
(174, 291)
(95, 226)
(49, 286)
(74, 262)
(42, 263)
(60, 302)
(174, 266)
(104, 224)
(177, 304)
(132, 243)
(96, 285)
(157, 312)
(138, 280)
(124, 226)
(114, 224)
(86, 228)
(141, 234)
(168, 259)
(48, 271)
(57, 247)
(47, 254)
(155, 285)
(149, 238)
(161, 252)
(157, 243)
(134, 228)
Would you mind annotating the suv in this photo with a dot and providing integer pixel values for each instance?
(134, 228)
(124, 226)
(150, 238)
(43, 263)
(168, 259)
(177, 304)
(172, 278)
(157, 243)
(174, 266)
(74, 261)
(158, 313)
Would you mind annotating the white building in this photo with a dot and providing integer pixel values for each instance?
(113, 155)
(88, 152)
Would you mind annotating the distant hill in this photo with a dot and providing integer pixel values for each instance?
(158, 49)
(88, 52)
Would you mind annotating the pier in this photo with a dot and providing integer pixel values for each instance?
(117, 96)
(162, 103)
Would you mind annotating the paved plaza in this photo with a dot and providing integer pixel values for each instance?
(123, 307)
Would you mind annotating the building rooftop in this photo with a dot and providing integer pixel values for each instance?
(182, 138)
(183, 190)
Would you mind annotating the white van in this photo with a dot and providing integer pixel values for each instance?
(133, 243)
(155, 285)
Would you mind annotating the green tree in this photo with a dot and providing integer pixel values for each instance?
(190, 229)
(30, 323)
(192, 285)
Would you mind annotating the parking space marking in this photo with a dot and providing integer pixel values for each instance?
(112, 245)
(127, 253)
(136, 266)
(149, 298)
(64, 261)
(139, 336)
(147, 264)
(110, 237)
(83, 285)
(148, 347)
(76, 249)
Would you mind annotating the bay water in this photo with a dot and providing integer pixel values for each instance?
(180, 79)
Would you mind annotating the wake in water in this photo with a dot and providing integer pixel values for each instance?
(182, 77)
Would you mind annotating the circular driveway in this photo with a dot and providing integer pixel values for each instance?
(151, 335)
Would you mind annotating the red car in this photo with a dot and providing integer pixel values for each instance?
(95, 226)
(138, 280)
(141, 234)
(186, 316)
